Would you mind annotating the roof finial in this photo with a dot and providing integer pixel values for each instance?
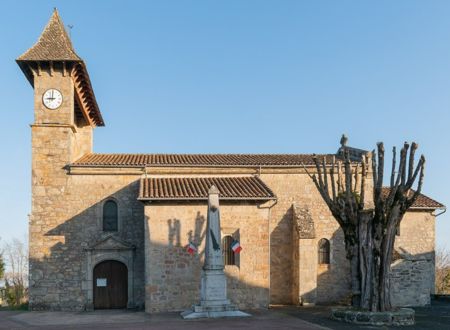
(344, 140)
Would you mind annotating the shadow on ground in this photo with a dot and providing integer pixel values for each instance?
(122, 319)
(436, 316)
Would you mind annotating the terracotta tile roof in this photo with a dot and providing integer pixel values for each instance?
(196, 188)
(53, 45)
(236, 160)
(422, 202)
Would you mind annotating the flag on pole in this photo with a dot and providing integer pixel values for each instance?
(236, 247)
(191, 248)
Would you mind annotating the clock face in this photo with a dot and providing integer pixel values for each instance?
(52, 98)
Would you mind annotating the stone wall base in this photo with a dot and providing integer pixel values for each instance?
(402, 316)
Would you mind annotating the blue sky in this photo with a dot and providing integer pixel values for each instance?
(239, 77)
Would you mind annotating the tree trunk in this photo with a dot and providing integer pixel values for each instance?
(386, 259)
(355, 276)
(370, 266)
(366, 258)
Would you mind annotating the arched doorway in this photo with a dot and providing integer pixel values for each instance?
(110, 285)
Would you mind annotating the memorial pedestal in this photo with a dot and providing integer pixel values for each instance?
(213, 295)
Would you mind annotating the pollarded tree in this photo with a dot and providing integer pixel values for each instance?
(369, 224)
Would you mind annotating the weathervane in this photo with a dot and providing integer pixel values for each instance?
(70, 26)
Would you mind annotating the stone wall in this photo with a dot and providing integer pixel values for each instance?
(82, 141)
(417, 233)
(173, 275)
(332, 283)
(412, 281)
(59, 240)
(333, 280)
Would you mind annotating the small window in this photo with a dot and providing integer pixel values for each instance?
(228, 254)
(110, 218)
(324, 251)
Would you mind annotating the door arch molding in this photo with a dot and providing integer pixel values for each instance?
(109, 248)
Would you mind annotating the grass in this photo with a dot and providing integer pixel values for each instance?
(21, 307)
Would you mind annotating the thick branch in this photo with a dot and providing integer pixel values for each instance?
(411, 180)
(414, 147)
(404, 155)
(332, 177)
(374, 171)
(340, 182)
(363, 182)
(348, 184)
(380, 170)
(394, 159)
(420, 182)
(319, 185)
(325, 176)
(357, 178)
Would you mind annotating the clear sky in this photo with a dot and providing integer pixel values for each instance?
(240, 77)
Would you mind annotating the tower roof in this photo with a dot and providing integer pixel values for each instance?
(53, 45)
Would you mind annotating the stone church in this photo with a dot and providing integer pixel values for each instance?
(111, 230)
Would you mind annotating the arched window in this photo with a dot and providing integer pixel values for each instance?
(228, 254)
(110, 217)
(324, 251)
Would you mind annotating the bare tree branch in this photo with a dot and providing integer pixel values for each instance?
(340, 181)
(419, 184)
(394, 159)
(411, 180)
(348, 184)
(442, 271)
(414, 147)
(403, 161)
(374, 173)
(357, 178)
(363, 182)
(325, 177)
(380, 169)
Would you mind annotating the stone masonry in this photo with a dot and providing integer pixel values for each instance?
(67, 209)
(172, 275)
(413, 273)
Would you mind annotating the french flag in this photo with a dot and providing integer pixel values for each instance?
(236, 247)
(191, 248)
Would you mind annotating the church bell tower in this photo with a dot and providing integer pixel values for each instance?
(65, 115)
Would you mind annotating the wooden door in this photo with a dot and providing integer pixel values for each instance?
(110, 285)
